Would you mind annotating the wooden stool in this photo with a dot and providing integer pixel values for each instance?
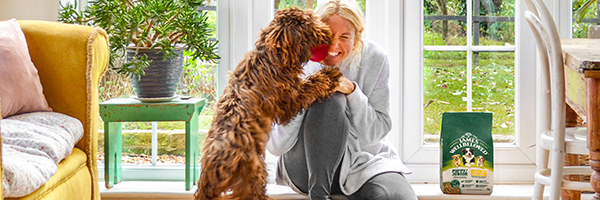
(115, 111)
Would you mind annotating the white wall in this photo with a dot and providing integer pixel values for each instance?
(29, 9)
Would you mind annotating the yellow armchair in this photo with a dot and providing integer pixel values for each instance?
(70, 60)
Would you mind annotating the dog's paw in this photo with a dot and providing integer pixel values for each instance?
(334, 74)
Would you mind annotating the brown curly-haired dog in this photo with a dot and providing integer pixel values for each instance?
(264, 88)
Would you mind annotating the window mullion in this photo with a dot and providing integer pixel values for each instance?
(154, 143)
(469, 73)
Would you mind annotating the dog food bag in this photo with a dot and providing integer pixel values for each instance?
(467, 153)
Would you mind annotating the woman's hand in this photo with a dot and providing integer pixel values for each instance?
(345, 86)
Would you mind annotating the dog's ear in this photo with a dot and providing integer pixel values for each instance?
(291, 35)
(279, 42)
(286, 39)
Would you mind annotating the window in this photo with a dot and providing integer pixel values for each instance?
(469, 63)
(418, 153)
(514, 160)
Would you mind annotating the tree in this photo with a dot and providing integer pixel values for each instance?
(443, 4)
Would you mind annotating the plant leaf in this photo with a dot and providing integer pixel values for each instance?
(583, 10)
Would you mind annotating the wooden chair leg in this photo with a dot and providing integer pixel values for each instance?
(571, 159)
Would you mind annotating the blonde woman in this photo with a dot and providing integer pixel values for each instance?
(338, 146)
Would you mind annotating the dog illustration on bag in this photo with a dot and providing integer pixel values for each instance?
(468, 157)
(456, 160)
(480, 161)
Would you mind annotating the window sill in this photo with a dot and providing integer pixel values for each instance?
(176, 190)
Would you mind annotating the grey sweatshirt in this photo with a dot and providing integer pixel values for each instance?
(368, 152)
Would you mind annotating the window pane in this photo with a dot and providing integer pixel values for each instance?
(444, 23)
(494, 23)
(494, 33)
(137, 143)
(445, 72)
(494, 91)
(444, 89)
(590, 17)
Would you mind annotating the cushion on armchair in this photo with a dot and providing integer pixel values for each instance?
(32, 146)
(20, 87)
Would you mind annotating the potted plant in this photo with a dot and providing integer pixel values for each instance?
(150, 35)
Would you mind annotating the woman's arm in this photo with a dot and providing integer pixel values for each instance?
(283, 137)
(370, 114)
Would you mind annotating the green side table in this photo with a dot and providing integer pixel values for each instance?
(115, 111)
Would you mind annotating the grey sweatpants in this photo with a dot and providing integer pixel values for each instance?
(313, 163)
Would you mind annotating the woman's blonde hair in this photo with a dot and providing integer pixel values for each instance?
(349, 10)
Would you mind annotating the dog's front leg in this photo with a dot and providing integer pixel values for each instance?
(316, 86)
(319, 85)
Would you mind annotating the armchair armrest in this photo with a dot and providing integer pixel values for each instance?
(70, 60)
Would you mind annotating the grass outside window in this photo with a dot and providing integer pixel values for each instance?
(445, 83)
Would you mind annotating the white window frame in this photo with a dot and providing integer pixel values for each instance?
(514, 162)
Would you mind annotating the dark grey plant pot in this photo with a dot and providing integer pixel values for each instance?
(161, 76)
